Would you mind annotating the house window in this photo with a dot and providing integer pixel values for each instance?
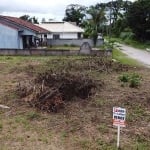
(56, 36)
(79, 35)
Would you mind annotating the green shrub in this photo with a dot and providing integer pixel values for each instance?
(124, 78)
(133, 79)
(66, 45)
(72, 45)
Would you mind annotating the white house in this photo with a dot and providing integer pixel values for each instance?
(65, 33)
(62, 30)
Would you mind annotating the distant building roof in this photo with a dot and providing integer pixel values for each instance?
(25, 24)
(55, 26)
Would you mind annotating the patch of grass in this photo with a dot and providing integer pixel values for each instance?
(142, 146)
(99, 102)
(85, 144)
(1, 126)
(139, 111)
(102, 128)
(136, 113)
(33, 115)
(124, 59)
(101, 144)
(43, 139)
(64, 134)
(22, 120)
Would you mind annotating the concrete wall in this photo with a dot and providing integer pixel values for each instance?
(45, 52)
(77, 42)
(8, 37)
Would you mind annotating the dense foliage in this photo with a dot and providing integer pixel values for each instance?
(138, 18)
(75, 13)
(114, 18)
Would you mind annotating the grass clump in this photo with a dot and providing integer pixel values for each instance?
(124, 78)
(33, 115)
(133, 80)
(123, 58)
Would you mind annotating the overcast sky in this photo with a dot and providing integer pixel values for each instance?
(49, 9)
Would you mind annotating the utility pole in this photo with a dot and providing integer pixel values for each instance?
(110, 17)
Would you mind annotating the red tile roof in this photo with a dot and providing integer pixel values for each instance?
(8, 25)
(25, 24)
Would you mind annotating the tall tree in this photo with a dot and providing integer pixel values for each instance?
(75, 13)
(116, 11)
(96, 19)
(138, 18)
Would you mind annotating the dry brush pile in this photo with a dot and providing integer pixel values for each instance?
(49, 91)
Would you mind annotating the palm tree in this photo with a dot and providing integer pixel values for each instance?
(97, 18)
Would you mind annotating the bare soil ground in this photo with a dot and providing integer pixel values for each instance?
(83, 124)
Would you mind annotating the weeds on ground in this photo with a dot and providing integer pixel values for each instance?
(133, 80)
(1, 126)
(33, 115)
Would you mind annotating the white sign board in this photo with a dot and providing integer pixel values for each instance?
(119, 116)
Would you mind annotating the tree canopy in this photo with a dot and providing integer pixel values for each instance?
(75, 13)
(138, 18)
(29, 19)
(96, 19)
(113, 18)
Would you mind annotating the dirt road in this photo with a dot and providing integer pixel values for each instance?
(140, 55)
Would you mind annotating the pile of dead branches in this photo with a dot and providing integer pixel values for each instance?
(49, 91)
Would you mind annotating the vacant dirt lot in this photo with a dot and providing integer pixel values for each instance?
(83, 123)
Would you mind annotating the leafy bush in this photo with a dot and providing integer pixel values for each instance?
(124, 78)
(66, 45)
(133, 79)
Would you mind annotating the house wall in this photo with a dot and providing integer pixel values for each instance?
(8, 37)
(76, 42)
(64, 35)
